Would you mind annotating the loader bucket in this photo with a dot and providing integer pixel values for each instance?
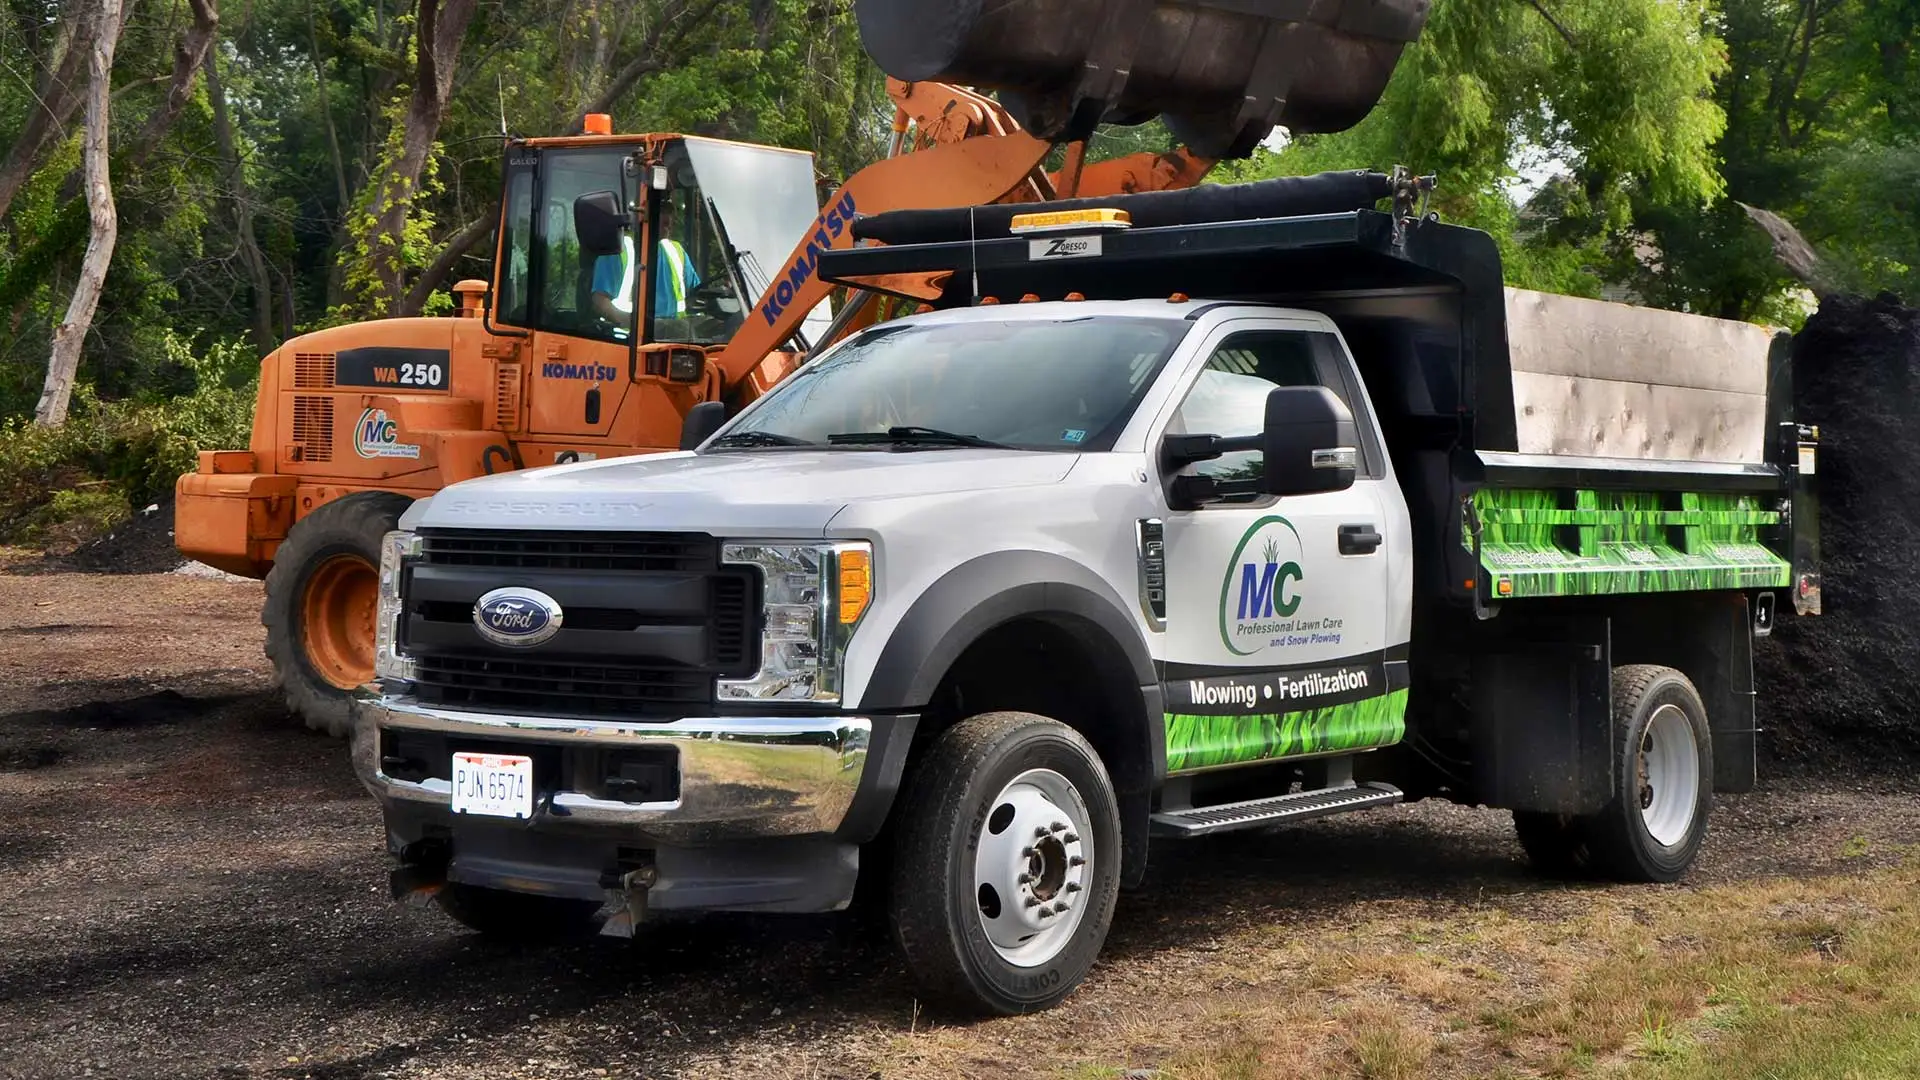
(1223, 72)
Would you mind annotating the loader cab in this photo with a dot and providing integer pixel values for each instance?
(590, 232)
(702, 223)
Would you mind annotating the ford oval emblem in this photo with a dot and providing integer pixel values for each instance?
(517, 618)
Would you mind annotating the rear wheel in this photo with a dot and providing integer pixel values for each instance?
(1653, 827)
(1006, 865)
(510, 916)
(322, 594)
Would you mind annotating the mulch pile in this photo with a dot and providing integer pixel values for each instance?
(1845, 686)
(144, 545)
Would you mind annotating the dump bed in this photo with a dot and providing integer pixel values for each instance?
(1549, 446)
(1592, 378)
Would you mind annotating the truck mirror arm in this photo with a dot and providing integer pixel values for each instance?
(1182, 450)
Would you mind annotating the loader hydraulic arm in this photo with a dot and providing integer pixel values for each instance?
(978, 170)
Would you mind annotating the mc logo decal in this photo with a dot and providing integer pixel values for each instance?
(376, 435)
(1260, 592)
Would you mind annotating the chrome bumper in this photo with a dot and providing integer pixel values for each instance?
(740, 777)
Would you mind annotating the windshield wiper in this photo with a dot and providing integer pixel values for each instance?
(759, 438)
(913, 435)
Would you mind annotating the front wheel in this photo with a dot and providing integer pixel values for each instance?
(322, 594)
(1006, 865)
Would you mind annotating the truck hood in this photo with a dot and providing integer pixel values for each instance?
(745, 493)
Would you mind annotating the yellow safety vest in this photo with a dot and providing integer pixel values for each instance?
(675, 257)
(676, 260)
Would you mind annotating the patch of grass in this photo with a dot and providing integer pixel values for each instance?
(1855, 847)
(1661, 1041)
(1092, 1072)
(1782, 979)
(1386, 1046)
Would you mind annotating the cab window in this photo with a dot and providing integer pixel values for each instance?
(567, 272)
(1229, 398)
(694, 296)
(516, 249)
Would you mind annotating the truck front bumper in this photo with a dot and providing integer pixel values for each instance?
(766, 813)
(740, 777)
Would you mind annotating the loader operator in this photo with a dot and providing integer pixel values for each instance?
(673, 277)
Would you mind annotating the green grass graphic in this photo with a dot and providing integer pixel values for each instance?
(1532, 544)
(1206, 742)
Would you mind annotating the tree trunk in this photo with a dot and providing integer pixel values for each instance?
(660, 48)
(458, 245)
(54, 101)
(442, 25)
(326, 113)
(72, 333)
(192, 50)
(241, 200)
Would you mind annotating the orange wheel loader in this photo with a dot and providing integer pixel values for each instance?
(637, 277)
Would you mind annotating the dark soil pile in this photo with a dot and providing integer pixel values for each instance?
(144, 545)
(1845, 686)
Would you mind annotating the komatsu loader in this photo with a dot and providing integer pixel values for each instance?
(544, 364)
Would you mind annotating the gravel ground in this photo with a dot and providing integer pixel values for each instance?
(197, 889)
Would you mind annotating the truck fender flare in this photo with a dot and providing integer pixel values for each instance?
(972, 599)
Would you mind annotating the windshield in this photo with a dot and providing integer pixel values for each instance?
(1032, 384)
(766, 202)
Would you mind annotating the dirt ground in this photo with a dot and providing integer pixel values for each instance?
(195, 887)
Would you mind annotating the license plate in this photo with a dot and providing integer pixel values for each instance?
(497, 785)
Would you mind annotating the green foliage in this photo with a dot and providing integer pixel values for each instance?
(1614, 94)
(121, 451)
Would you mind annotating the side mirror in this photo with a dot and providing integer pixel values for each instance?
(597, 221)
(702, 421)
(1310, 442)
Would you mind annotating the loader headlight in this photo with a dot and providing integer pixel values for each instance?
(397, 548)
(812, 597)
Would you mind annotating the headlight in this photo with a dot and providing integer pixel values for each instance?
(396, 549)
(812, 598)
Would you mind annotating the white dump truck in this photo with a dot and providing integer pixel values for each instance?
(1177, 513)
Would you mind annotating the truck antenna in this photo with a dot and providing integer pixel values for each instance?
(973, 253)
(500, 85)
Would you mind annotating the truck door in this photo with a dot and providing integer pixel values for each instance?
(1278, 640)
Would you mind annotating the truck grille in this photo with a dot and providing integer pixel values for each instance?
(573, 551)
(494, 685)
(651, 620)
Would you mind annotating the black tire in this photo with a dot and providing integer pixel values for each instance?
(1617, 842)
(519, 917)
(348, 526)
(936, 904)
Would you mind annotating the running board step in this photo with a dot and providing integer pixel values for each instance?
(1274, 809)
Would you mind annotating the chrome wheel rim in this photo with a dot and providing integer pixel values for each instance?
(1669, 776)
(1031, 864)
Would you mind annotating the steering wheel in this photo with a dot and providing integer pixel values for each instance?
(707, 297)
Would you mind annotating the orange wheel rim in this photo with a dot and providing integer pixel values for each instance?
(336, 615)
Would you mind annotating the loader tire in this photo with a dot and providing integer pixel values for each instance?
(321, 596)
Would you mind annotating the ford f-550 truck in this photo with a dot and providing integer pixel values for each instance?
(983, 599)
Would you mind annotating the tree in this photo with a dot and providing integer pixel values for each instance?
(380, 278)
(1612, 95)
(104, 35)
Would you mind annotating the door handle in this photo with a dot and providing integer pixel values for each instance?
(1359, 540)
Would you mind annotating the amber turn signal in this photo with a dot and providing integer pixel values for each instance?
(856, 585)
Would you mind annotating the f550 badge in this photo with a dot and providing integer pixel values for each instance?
(377, 436)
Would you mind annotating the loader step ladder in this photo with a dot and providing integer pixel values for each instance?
(1274, 809)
